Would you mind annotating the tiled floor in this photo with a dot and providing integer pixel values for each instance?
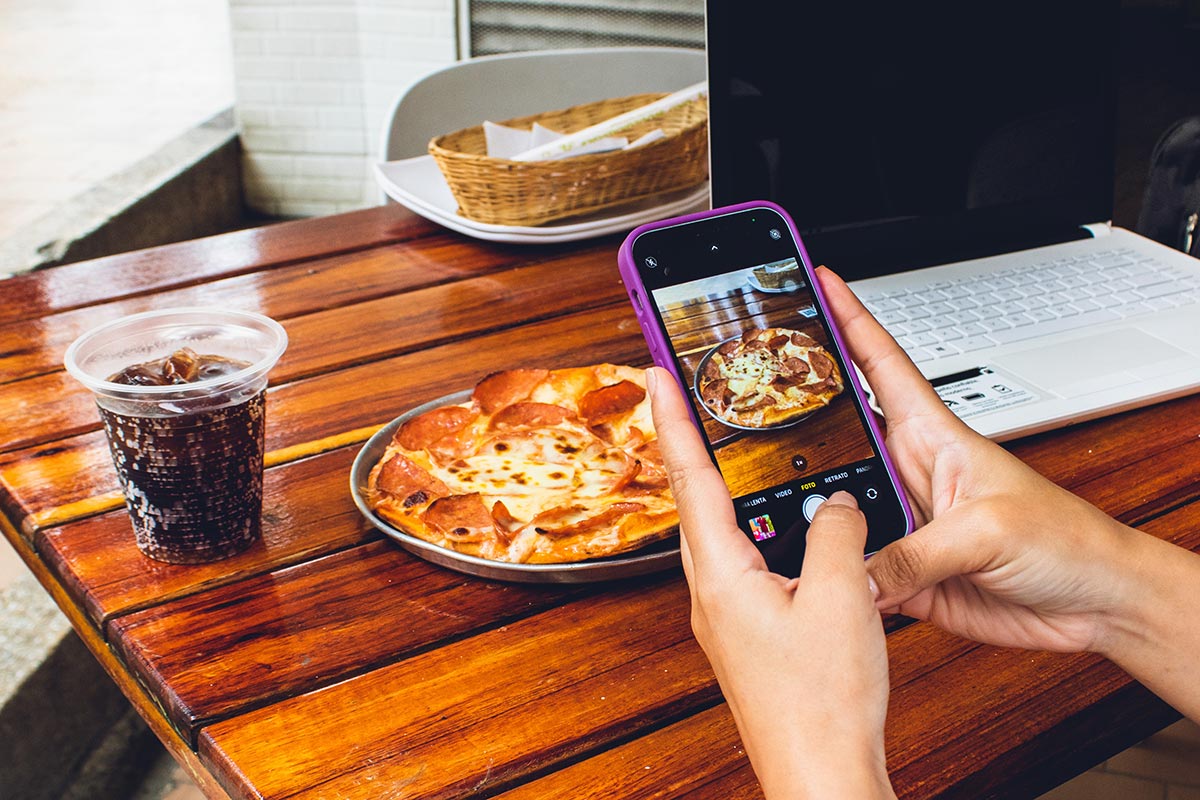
(89, 88)
(1164, 767)
(167, 781)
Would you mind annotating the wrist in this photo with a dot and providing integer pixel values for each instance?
(1155, 587)
(834, 768)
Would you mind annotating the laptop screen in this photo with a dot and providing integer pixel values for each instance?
(900, 135)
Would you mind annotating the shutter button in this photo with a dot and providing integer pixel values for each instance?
(811, 504)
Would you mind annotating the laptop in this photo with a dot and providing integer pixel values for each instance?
(954, 162)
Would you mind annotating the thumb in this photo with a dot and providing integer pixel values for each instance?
(954, 544)
(836, 539)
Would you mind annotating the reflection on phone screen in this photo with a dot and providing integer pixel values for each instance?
(776, 403)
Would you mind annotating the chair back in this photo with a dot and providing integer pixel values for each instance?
(512, 85)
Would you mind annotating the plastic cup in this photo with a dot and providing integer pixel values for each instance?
(189, 456)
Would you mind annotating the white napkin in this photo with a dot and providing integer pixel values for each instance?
(505, 142)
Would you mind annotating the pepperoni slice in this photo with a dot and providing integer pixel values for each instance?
(565, 521)
(729, 348)
(401, 478)
(462, 517)
(502, 389)
(822, 365)
(530, 415)
(420, 432)
(610, 401)
(714, 394)
(751, 335)
(794, 365)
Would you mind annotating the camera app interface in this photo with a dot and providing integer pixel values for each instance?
(776, 404)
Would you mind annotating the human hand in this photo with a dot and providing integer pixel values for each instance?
(1005, 556)
(802, 662)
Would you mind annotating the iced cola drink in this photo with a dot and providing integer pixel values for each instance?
(181, 396)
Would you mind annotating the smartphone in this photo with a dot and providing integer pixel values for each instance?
(728, 303)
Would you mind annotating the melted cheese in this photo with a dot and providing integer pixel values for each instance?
(532, 470)
(490, 474)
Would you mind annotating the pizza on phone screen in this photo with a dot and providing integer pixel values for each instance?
(538, 466)
(767, 378)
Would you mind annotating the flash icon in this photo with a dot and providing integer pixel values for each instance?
(651, 262)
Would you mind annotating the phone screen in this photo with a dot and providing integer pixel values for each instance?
(743, 324)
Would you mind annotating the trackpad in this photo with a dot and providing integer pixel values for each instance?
(1095, 363)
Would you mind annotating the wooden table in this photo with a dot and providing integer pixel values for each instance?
(328, 662)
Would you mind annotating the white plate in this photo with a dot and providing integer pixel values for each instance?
(419, 185)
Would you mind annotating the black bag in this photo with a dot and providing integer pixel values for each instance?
(1171, 205)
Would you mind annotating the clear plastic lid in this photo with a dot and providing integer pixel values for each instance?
(243, 336)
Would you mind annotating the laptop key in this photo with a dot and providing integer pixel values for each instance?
(972, 329)
(942, 349)
(888, 318)
(1133, 309)
(975, 343)
(1158, 290)
(919, 354)
(921, 340)
(1146, 279)
(1055, 326)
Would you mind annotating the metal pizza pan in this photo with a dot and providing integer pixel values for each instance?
(655, 557)
(700, 399)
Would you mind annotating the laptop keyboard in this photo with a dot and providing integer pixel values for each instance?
(947, 317)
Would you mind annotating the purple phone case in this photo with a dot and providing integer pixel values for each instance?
(660, 349)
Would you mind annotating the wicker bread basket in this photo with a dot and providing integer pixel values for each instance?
(504, 192)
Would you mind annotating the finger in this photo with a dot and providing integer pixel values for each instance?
(900, 387)
(951, 545)
(836, 539)
(706, 516)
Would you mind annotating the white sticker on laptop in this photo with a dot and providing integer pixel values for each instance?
(981, 390)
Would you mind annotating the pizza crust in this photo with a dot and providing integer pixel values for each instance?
(767, 377)
(539, 466)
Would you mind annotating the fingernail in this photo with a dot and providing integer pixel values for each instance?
(873, 586)
(651, 379)
(842, 498)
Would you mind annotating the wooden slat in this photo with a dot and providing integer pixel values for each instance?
(988, 746)
(699, 757)
(710, 322)
(324, 679)
(478, 713)
(1089, 450)
(681, 758)
(50, 406)
(38, 480)
(211, 655)
(956, 706)
(965, 720)
(307, 513)
(37, 294)
(832, 439)
(35, 348)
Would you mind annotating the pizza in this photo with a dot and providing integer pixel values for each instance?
(538, 466)
(767, 377)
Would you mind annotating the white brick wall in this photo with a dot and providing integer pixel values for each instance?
(314, 80)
